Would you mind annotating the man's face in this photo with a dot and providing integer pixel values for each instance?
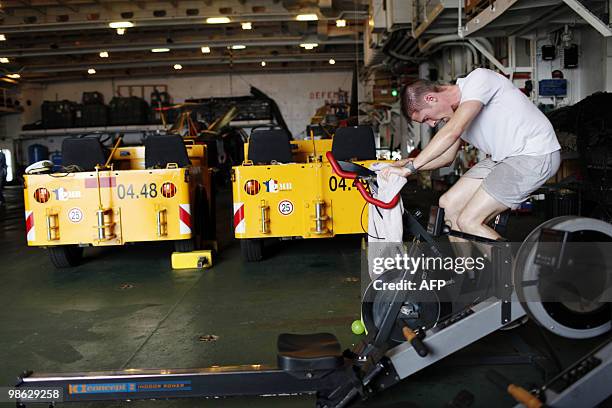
(436, 109)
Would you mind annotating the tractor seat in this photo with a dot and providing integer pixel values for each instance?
(309, 352)
(84, 152)
(270, 145)
(161, 150)
(354, 143)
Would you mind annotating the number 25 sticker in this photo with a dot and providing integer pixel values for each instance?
(285, 207)
(75, 215)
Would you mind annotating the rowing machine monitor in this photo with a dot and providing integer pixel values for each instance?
(551, 254)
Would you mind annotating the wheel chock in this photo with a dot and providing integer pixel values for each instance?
(192, 260)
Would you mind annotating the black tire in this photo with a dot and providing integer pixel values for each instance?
(252, 249)
(185, 245)
(65, 256)
(206, 214)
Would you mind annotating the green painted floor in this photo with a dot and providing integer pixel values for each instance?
(126, 308)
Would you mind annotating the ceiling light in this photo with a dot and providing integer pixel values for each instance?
(332, 61)
(306, 17)
(178, 66)
(340, 23)
(91, 71)
(263, 63)
(121, 31)
(121, 24)
(13, 76)
(205, 50)
(309, 46)
(4, 60)
(217, 20)
(103, 54)
(238, 47)
(247, 26)
(2, 37)
(160, 49)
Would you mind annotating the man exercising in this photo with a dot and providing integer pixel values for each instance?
(486, 110)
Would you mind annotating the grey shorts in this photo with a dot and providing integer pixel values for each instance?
(511, 180)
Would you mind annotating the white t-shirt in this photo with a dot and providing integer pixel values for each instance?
(509, 124)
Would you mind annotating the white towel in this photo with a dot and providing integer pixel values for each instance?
(385, 227)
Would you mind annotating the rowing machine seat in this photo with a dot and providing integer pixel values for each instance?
(309, 352)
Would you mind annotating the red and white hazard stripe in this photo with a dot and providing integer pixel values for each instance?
(239, 222)
(185, 218)
(30, 231)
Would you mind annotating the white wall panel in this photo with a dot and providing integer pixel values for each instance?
(298, 95)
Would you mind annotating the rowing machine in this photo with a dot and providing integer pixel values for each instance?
(397, 344)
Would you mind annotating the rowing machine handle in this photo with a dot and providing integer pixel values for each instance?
(517, 392)
(416, 341)
(362, 190)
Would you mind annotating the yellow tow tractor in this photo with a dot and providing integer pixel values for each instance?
(287, 189)
(160, 191)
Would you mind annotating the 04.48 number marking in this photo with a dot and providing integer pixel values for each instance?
(335, 184)
(127, 191)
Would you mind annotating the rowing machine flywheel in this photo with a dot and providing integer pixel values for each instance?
(419, 310)
(561, 274)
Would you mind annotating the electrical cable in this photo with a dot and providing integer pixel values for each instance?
(361, 222)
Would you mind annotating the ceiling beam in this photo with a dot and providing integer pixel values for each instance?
(539, 20)
(106, 6)
(83, 25)
(28, 4)
(68, 6)
(131, 47)
(592, 19)
(200, 71)
(192, 62)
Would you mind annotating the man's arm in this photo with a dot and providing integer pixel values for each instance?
(441, 161)
(449, 134)
(444, 159)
